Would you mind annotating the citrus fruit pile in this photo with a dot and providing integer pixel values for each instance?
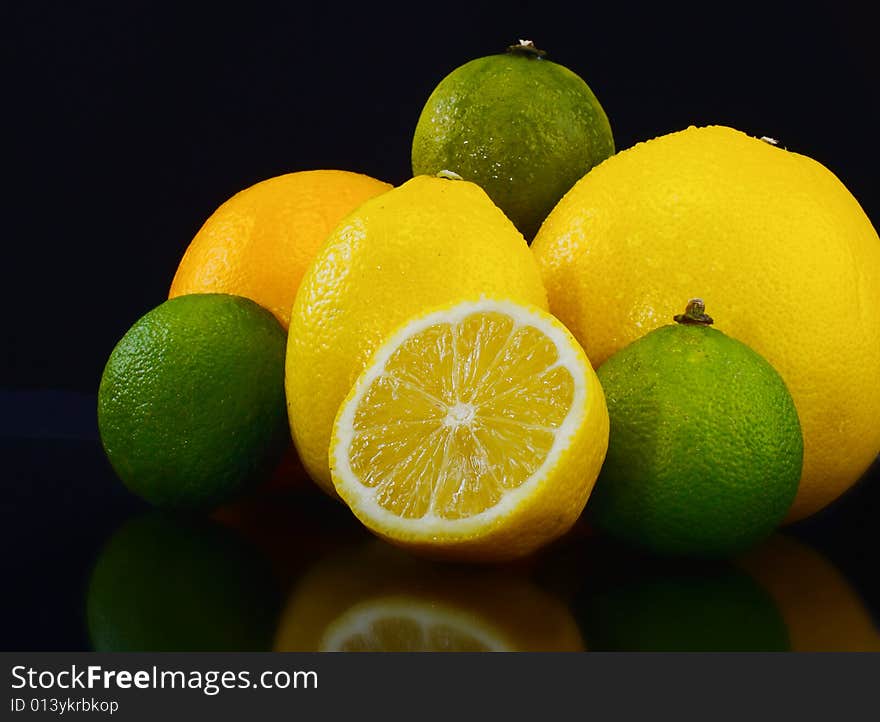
(463, 391)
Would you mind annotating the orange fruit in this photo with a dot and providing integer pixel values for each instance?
(259, 242)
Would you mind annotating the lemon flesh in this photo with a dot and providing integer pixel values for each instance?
(477, 431)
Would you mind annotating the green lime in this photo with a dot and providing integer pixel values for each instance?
(708, 607)
(166, 585)
(191, 405)
(705, 448)
(517, 124)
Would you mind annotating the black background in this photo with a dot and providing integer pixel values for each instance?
(124, 125)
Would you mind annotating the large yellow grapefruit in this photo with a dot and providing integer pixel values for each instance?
(776, 245)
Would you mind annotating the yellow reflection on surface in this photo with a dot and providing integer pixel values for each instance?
(377, 598)
(167, 583)
(821, 609)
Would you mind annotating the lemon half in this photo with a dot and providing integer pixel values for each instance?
(476, 431)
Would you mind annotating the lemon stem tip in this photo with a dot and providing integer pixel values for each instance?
(695, 314)
(526, 48)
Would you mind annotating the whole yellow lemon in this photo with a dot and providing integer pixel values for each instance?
(430, 242)
(775, 244)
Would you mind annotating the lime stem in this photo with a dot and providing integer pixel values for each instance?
(695, 314)
(527, 48)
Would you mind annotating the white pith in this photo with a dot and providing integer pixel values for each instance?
(361, 498)
(460, 414)
(361, 619)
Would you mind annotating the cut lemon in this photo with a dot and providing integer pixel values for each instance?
(477, 431)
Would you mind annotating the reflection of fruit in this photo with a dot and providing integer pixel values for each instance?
(476, 432)
(522, 127)
(627, 602)
(259, 242)
(376, 598)
(786, 256)
(407, 624)
(289, 473)
(291, 526)
(822, 611)
(163, 584)
(427, 243)
(663, 607)
(191, 403)
(711, 609)
(705, 449)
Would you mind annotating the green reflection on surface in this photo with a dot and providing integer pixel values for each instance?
(168, 584)
(165, 583)
(682, 608)
(782, 595)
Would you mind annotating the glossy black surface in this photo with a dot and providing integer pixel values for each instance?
(86, 565)
(127, 124)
